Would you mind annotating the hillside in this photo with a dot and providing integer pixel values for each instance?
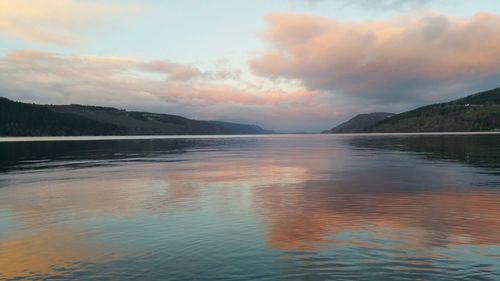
(22, 119)
(359, 123)
(478, 112)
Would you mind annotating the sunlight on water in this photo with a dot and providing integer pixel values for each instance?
(252, 208)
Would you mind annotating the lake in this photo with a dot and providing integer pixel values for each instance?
(282, 207)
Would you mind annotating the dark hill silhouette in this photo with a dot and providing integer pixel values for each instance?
(23, 119)
(478, 112)
(360, 122)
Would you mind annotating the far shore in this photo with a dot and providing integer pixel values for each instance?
(103, 138)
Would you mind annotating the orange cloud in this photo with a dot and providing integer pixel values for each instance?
(54, 22)
(218, 93)
(384, 58)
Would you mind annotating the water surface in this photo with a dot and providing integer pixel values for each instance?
(303, 207)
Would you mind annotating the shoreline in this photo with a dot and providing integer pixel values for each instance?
(152, 137)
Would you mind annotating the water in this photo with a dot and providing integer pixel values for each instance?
(303, 207)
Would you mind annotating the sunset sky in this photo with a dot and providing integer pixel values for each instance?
(287, 65)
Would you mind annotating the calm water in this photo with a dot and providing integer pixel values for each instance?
(315, 207)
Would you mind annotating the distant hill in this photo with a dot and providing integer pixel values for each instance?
(478, 112)
(359, 123)
(23, 119)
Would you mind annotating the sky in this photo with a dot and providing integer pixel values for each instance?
(287, 65)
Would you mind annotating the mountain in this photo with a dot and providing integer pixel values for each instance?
(478, 112)
(359, 123)
(23, 119)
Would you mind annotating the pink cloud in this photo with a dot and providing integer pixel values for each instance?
(118, 73)
(377, 5)
(174, 71)
(35, 76)
(380, 59)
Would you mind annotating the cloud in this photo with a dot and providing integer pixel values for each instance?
(175, 71)
(131, 83)
(415, 58)
(379, 4)
(54, 23)
(66, 73)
